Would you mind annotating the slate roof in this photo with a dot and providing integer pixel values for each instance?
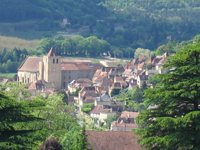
(31, 64)
(113, 140)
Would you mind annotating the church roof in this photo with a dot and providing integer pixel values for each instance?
(31, 64)
(77, 66)
(52, 52)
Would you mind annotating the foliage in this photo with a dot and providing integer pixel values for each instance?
(51, 143)
(87, 107)
(77, 91)
(16, 90)
(11, 59)
(65, 97)
(57, 115)
(115, 91)
(109, 120)
(141, 51)
(174, 123)
(19, 128)
(75, 139)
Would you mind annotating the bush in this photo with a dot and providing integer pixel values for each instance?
(87, 107)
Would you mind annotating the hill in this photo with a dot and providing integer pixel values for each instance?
(14, 42)
(123, 23)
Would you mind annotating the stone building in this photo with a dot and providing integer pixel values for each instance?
(53, 69)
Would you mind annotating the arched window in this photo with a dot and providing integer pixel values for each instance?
(53, 61)
(57, 61)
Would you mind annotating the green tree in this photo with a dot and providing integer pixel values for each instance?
(175, 122)
(19, 128)
(75, 139)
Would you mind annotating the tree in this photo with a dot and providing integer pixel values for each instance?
(175, 122)
(141, 51)
(51, 144)
(19, 128)
(75, 139)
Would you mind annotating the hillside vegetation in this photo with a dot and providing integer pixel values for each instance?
(14, 42)
(122, 23)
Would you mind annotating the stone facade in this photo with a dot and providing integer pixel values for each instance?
(53, 69)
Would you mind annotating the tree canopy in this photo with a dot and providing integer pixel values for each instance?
(174, 122)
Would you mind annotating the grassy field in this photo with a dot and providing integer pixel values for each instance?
(13, 42)
(7, 75)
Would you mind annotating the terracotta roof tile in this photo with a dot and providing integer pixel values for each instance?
(68, 67)
(31, 64)
(113, 140)
(52, 52)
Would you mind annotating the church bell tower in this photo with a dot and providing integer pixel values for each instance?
(52, 68)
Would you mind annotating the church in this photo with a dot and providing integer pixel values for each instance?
(54, 70)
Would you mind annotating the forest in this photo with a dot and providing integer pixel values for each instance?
(122, 23)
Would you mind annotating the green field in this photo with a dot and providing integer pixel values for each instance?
(14, 42)
(8, 75)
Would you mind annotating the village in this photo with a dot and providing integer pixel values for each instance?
(91, 87)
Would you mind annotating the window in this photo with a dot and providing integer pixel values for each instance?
(64, 84)
(53, 61)
(69, 77)
(57, 61)
(64, 77)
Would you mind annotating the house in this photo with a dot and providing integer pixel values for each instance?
(141, 79)
(112, 140)
(104, 99)
(87, 95)
(102, 112)
(79, 83)
(126, 122)
(127, 73)
(41, 87)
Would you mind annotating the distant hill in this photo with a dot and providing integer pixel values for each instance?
(123, 23)
(75, 10)
(13, 42)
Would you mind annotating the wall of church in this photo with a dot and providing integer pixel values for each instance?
(27, 77)
(70, 75)
(52, 70)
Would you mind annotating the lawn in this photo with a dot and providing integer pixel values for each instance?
(8, 75)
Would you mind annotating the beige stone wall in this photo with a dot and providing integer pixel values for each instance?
(27, 77)
(70, 75)
(52, 70)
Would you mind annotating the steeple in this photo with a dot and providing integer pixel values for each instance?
(52, 52)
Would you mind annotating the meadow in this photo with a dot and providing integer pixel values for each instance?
(14, 42)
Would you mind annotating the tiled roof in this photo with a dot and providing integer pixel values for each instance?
(72, 66)
(52, 52)
(96, 74)
(129, 114)
(97, 109)
(113, 140)
(68, 67)
(127, 72)
(107, 82)
(116, 124)
(31, 64)
(82, 66)
(143, 57)
(119, 79)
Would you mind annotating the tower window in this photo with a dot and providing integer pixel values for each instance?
(53, 61)
(57, 61)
